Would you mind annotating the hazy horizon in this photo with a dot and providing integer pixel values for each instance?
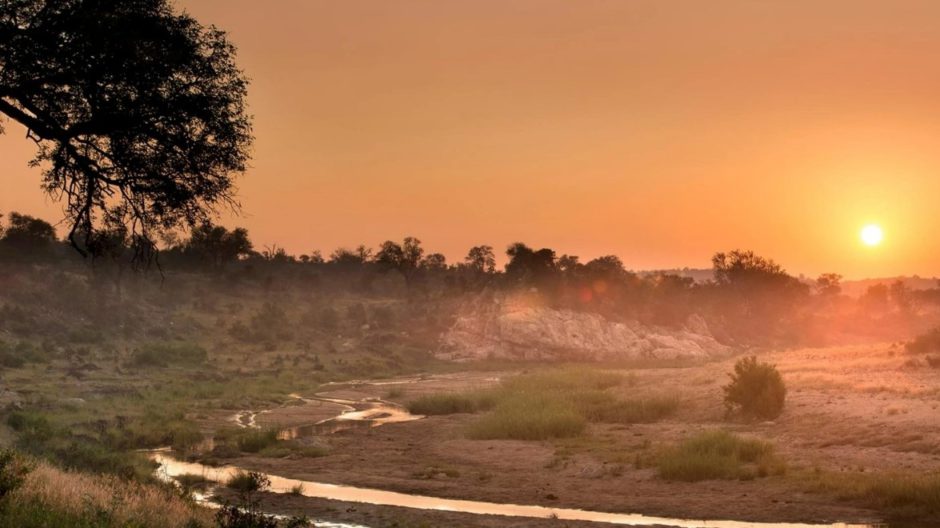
(659, 132)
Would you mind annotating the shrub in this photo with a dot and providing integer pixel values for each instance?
(719, 455)
(253, 441)
(756, 390)
(13, 472)
(248, 482)
(925, 343)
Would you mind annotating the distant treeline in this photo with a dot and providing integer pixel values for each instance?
(750, 299)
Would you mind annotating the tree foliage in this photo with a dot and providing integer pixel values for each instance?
(137, 111)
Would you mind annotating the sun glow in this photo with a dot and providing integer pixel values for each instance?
(871, 235)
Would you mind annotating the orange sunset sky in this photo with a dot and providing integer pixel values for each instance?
(661, 131)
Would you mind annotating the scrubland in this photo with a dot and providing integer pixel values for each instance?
(216, 369)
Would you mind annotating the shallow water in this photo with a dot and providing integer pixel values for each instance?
(356, 414)
(171, 468)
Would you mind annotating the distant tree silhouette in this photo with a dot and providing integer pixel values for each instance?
(568, 264)
(138, 111)
(481, 259)
(412, 252)
(829, 284)
(26, 237)
(901, 296)
(608, 267)
(390, 255)
(405, 257)
(528, 265)
(434, 262)
(756, 292)
(217, 245)
(347, 259)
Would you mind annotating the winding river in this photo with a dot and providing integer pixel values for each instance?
(375, 412)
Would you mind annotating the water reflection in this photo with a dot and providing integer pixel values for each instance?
(357, 414)
(171, 468)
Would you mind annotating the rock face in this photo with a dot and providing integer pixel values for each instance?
(515, 329)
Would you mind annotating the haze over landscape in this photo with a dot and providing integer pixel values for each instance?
(658, 131)
(469, 264)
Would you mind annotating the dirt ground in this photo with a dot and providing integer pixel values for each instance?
(856, 408)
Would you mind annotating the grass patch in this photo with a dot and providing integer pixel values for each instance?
(719, 455)
(567, 379)
(602, 407)
(52, 497)
(529, 417)
(903, 496)
(245, 440)
(550, 404)
(438, 404)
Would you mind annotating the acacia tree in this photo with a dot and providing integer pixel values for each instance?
(137, 111)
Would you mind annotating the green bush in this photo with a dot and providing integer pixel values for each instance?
(719, 455)
(756, 390)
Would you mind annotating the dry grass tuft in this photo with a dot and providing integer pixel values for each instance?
(122, 503)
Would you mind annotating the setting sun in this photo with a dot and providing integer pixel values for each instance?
(872, 235)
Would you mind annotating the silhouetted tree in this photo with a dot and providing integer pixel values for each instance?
(481, 259)
(901, 296)
(138, 111)
(217, 245)
(434, 262)
(27, 237)
(528, 265)
(608, 267)
(404, 258)
(390, 255)
(568, 264)
(346, 258)
(758, 293)
(829, 284)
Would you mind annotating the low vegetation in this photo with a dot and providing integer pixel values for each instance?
(756, 390)
(719, 455)
(902, 496)
(556, 403)
(45, 496)
(436, 404)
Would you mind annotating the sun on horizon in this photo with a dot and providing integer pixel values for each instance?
(871, 235)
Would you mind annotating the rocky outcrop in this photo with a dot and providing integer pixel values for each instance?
(511, 328)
